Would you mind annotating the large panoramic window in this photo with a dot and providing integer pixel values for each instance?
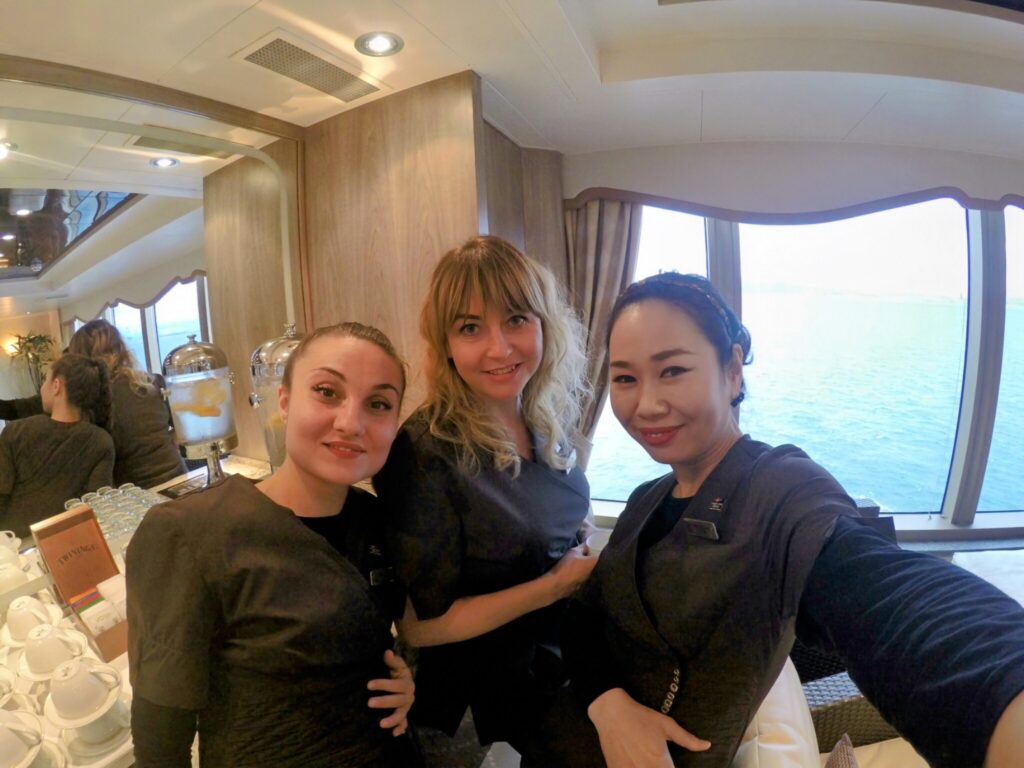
(1002, 489)
(177, 317)
(128, 320)
(668, 241)
(859, 332)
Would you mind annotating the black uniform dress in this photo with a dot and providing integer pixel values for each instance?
(699, 623)
(452, 536)
(241, 612)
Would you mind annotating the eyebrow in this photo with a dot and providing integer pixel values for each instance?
(465, 317)
(656, 357)
(340, 375)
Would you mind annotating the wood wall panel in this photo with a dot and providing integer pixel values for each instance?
(504, 173)
(543, 218)
(390, 187)
(243, 259)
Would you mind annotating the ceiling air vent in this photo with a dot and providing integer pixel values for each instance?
(289, 60)
(182, 147)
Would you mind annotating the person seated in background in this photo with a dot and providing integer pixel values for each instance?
(140, 422)
(47, 459)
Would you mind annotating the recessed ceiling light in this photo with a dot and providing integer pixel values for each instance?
(379, 44)
(7, 237)
(22, 212)
(163, 162)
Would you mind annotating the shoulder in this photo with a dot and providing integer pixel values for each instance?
(210, 510)
(647, 495)
(415, 446)
(99, 436)
(788, 467)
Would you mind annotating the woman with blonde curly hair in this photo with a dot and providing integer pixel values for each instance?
(486, 504)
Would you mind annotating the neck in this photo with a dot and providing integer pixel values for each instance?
(691, 475)
(510, 415)
(64, 412)
(303, 494)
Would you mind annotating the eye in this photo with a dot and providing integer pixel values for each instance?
(673, 371)
(517, 321)
(624, 378)
(325, 390)
(381, 404)
(469, 329)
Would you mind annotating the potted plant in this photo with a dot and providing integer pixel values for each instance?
(36, 350)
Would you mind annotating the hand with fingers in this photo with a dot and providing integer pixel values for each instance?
(635, 736)
(398, 689)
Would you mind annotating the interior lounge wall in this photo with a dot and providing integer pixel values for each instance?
(139, 288)
(795, 178)
(23, 325)
(242, 237)
(524, 198)
(391, 186)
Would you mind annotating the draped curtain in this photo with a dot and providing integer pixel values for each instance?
(602, 239)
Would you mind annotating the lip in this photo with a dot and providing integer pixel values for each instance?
(655, 436)
(345, 450)
(505, 370)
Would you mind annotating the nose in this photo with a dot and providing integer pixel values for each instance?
(348, 417)
(497, 345)
(650, 404)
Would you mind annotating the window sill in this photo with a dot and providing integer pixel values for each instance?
(922, 532)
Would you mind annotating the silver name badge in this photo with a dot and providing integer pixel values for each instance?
(704, 529)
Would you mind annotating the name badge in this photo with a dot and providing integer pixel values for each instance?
(703, 529)
(381, 576)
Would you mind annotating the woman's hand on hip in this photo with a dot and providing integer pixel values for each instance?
(635, 736)
(571, 571)
(399, 688)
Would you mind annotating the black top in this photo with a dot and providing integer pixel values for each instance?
(43, 463)
(454, 535)
(241, 611)
(939, 651)
(699, 627)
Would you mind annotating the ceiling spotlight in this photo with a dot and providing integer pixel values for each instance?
(22, 212)
(7, 237)
(163, 162)
(379, 44)
(6, 147)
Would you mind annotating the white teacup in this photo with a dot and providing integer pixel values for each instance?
(47, 647)
(23, 614)
(598, 540)
(106, 725)
(17, 739)
(8, 540)
(80, 688)
(11, 577)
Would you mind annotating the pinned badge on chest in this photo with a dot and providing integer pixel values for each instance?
(703, 529)
(380, 576)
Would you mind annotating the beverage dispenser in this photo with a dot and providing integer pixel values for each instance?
(267, 368)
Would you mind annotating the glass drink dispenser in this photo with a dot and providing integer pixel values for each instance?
(267, 368)
(199, 394)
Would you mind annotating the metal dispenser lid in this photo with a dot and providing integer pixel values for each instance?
(270, 357)
(193, 357)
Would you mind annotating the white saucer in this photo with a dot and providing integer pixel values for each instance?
(28, 674)
(5, 634)
(54, 716)
(87, 751)
(55, 753)
(32, 720)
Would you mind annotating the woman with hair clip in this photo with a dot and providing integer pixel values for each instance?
(484, 499)
(711, 570)
(65, 452)
(140, 421)
(260, 614)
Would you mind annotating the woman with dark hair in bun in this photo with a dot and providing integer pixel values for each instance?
(715, 567)
(47, 459)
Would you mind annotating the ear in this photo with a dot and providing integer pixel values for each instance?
(734, 371)
(57, 385)
(282, 401)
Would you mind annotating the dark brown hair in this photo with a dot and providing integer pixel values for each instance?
(349, 330)
(87, 383)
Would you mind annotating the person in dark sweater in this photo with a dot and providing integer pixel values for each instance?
(140, 422)
(260, 615)
(714, 568)
(47, 459)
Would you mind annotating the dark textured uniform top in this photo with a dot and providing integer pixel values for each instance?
(699, 627)
(239, 610)
(43, 463)
(453, 535)
(145, 453)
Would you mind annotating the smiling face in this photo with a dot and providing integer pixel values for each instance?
(669, 390)
(495, 353)
(341, 410)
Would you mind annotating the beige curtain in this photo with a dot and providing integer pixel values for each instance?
(602, 238)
